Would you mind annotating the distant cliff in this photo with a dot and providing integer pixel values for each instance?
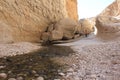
(25, 20)
(112, 10)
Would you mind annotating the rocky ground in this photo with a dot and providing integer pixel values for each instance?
(87, 59)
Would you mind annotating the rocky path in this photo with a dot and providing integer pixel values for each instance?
(92, 59)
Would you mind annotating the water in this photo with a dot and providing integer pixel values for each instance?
(35, 64)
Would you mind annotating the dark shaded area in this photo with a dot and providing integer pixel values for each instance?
(39, 61)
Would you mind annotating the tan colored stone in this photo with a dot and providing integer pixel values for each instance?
(112, 10)
(67, 26)
(108, 27)
(72, 9)
(56, 35)
(50, 28)
(86, 26)
(29, 18)
(45, 36)
(5, 33)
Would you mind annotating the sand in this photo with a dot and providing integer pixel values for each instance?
(17, 48)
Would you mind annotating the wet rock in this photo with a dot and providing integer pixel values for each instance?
(57, 79)
(3, 75)
(40, 78)
(61, 74)
(36, 75)
(11, 79)
(1, 67)
(9, 72)
(34, 72)
(20, 78)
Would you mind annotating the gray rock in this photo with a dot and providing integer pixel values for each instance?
(34, 72)
(20, 78)
(57, 79)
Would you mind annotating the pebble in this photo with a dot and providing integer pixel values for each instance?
(1, 67)
(36, 75)
(61, 74)
(56, 79)
(40, 78)
(34, 72)
(70, 70)
(9, 72)
(11, 79)
(3, 75)
(20, 78)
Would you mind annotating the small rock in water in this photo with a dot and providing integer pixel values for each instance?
(11, 79)
(36, 75)
(34, 72)
(9, 72)
(70, 70)
(61, 74)
(56, 79)
(1, 67)
(3, 75)
(20, 78)
(40, 78)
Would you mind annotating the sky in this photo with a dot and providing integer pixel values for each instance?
(91, 8)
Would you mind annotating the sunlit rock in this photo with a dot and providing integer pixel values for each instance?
(29, 18)
(108, 27)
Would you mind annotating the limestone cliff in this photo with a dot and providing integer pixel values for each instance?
(72, 8)
(25, 20)
(112, 10)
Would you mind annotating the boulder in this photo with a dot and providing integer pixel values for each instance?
(86, 26)
(108, 27)
(56, 35)
(45, 36)
(67, 26)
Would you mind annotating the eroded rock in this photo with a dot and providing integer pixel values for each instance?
(29, 18)
(108, 27)
(86, 26)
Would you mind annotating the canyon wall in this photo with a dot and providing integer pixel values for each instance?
(25, 20)
(112, 10)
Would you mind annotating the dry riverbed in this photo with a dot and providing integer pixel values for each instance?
(86, 59)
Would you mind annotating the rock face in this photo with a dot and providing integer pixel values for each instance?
(112, 10)
(67, 29)
(72, 9)
(25, 20)
(108, 27)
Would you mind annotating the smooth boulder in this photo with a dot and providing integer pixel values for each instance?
(108, 27)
